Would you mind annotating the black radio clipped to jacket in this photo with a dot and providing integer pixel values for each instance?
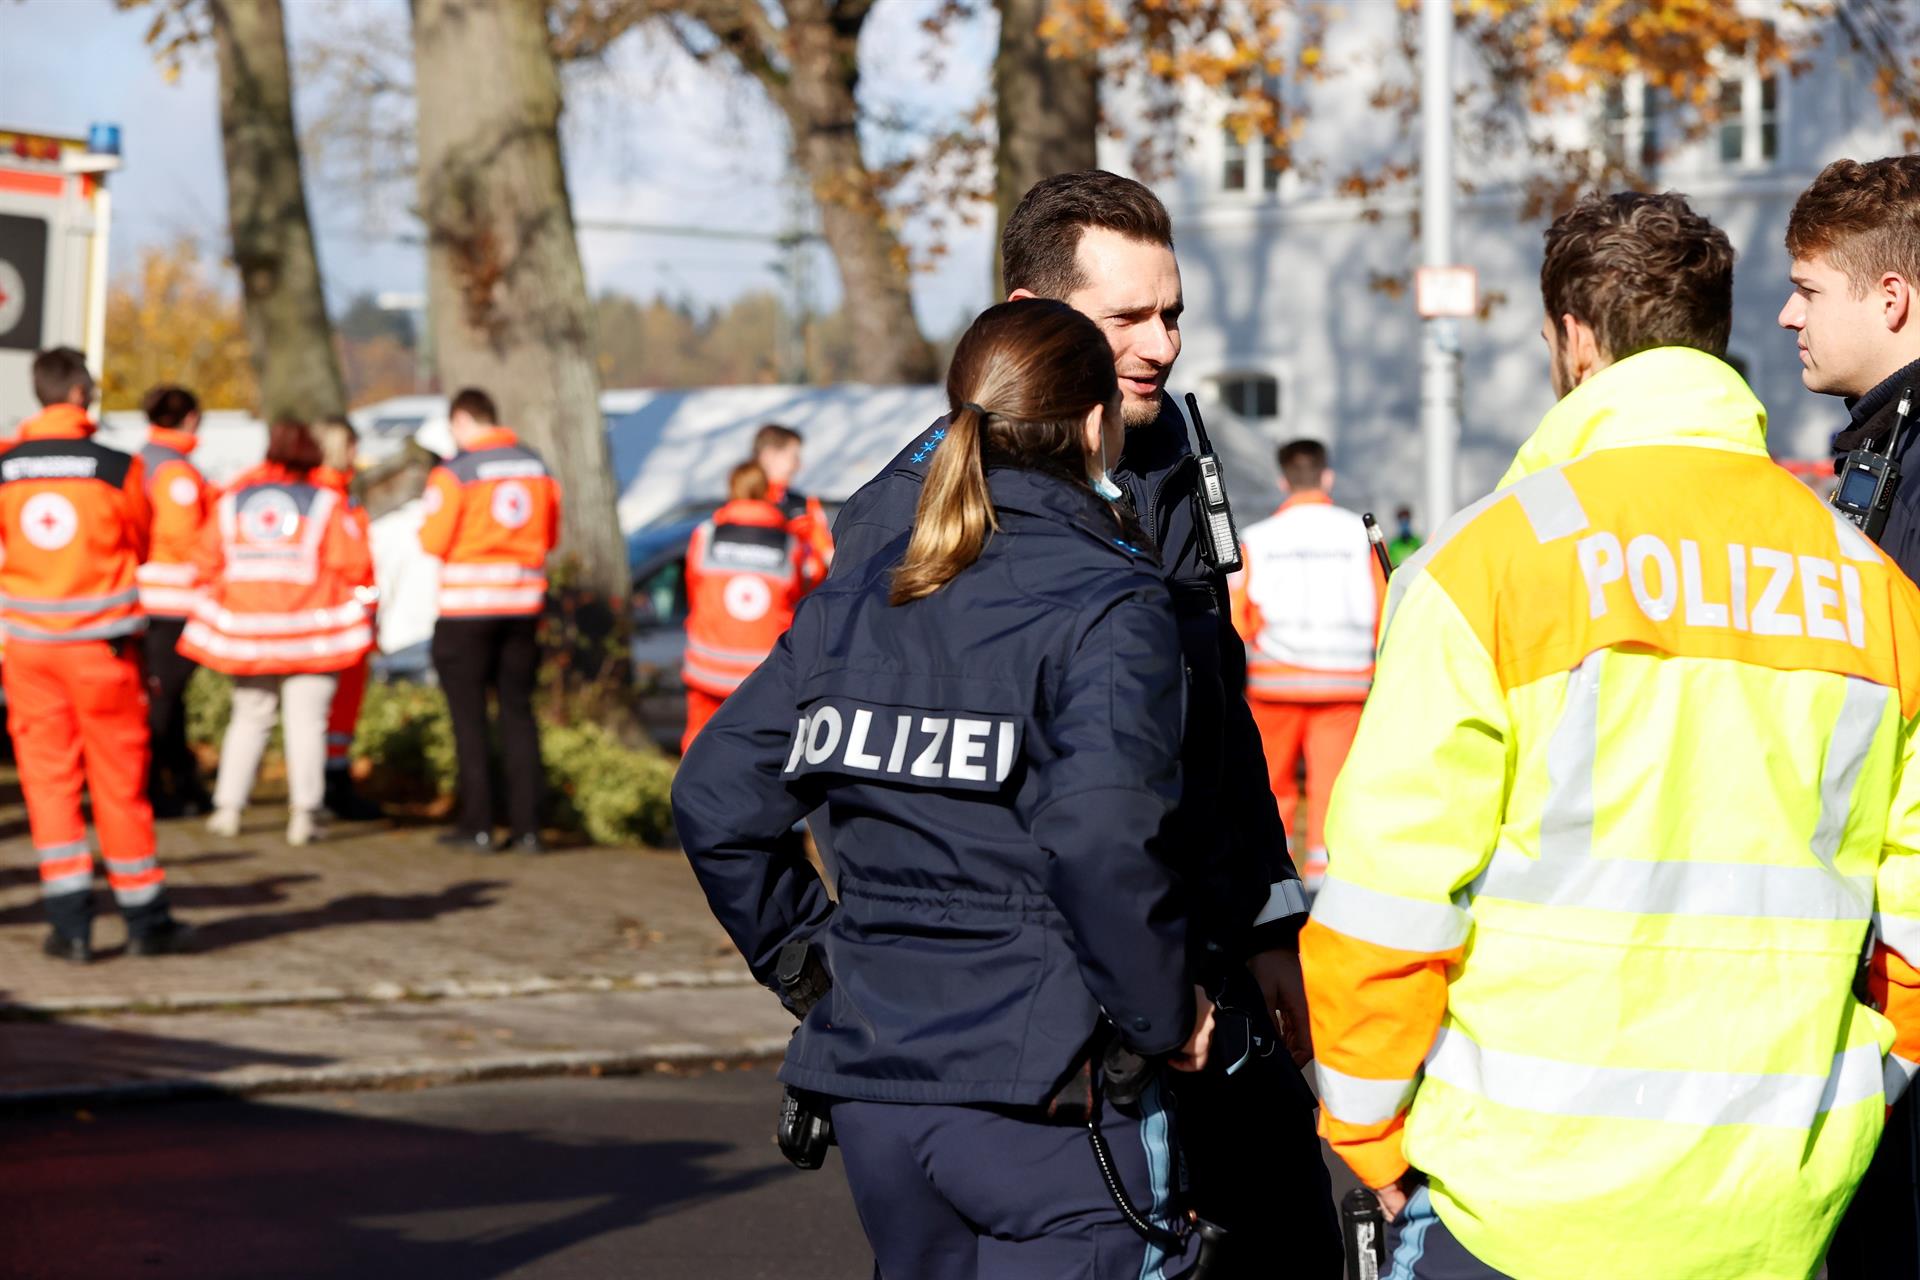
(1219, 540)
(1867, 479)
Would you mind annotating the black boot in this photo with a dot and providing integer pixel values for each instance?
(344, 801)
(64, 947)
(167, 938)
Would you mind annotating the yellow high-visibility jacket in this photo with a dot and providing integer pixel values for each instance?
(1635, 778)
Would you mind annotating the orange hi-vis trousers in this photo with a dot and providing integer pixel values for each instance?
(78, 715)
(342, 718)
(1324, 732)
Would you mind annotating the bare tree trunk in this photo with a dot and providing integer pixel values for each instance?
(1048, 109)
(287, 329)
(819, 102)
(505, 287)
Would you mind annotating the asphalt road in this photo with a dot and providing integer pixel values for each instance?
(662, 1175)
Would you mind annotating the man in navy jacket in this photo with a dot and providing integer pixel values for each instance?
(1104, 244)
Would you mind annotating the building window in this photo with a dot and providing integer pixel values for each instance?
(1749, 119)
(1630, 125)
(1233, 172)
(1251, 396)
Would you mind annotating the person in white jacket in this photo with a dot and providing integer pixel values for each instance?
(1307, 604)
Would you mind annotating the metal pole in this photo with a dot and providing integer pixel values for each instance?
(1440, 339)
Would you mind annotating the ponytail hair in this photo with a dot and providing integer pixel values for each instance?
(1023, 379)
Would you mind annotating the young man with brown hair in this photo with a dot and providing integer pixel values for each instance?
(1103, 244)
(776, 451)
(1635, 785)
(1854, 236)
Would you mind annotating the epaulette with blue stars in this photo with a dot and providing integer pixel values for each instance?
(924, 450)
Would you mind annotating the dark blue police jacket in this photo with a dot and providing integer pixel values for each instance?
(1245, 895)
(1873, 417)
(998, 761)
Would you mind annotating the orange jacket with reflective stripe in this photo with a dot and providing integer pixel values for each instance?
(806, 520)
(182, 500)
(284, 564)
(493, 518)
(746, 572)
(73, 529)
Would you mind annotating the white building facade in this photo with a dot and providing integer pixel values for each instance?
(1288, 333)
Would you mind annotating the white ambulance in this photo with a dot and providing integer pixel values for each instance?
(54, 215)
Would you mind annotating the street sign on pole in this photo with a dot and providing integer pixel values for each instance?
(1442, 292)
(1440, 341)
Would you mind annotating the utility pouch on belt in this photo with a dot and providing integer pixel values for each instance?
(804, 1130)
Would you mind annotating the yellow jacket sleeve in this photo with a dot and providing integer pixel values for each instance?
(1894, 973)
(1414, 818)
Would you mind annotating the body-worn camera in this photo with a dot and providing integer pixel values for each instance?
(1868, 479)
(804, 1130)
(1220, 541)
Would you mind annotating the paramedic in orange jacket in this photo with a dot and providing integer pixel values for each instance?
(181, 500)
(746, 572)
(73, 530)
(493, 518)
(286, 566)
(776, 451)
(338, 447)
(1307, 604)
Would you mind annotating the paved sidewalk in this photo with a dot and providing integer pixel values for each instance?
(374, 956)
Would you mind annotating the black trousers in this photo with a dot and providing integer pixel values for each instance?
(1880, 1236)
(473, 656)
(174, 772)
(1254, 1164)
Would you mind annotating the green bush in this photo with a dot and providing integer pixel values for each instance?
(597, 786)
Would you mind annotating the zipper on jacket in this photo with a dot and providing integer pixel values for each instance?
(1151, 517)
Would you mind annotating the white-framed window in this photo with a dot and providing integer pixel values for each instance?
(1233, 163)
(1749, 129)
(1251, 395)
(1630, 125)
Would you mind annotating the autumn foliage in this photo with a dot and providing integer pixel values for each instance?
(175, 318)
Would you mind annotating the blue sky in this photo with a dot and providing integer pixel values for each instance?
(649, 136)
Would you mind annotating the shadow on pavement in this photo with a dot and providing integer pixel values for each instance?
(46, 1055)
(219, 1190)
(354, 908)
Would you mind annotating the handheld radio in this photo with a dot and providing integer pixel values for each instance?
(1378, 541)
(1867, 480)
(1364, 1224)
(1220, 546)
(804, 1130)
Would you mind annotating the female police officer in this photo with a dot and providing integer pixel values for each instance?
(989, 711)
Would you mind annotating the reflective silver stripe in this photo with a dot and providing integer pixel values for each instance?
(1567, 874)
(1552, 507)
(105, 631)
(1554, 1087)
(1901, 934)
(1359, 684)
(1355, 1100)
(131, 867)
(726, 655)
(1284, 898)
(481, 599)
(1896, 1075)
(1854, 545)
(139, 897)
(75, 604)
(201, 635)
(490, 574)
(292, 622)
(1854, 730)
(78, 882)
(172, 601)
(728, 680)
(60, 852)
(1389, 920)
(166, 575)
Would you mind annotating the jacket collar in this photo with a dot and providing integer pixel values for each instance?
(1864, 408)
(1050, 497)
(172, 438)
(757, 511)
(1308, 498)
(493, 438)
(58, 422)
(1666, 396)
(1157, 445)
